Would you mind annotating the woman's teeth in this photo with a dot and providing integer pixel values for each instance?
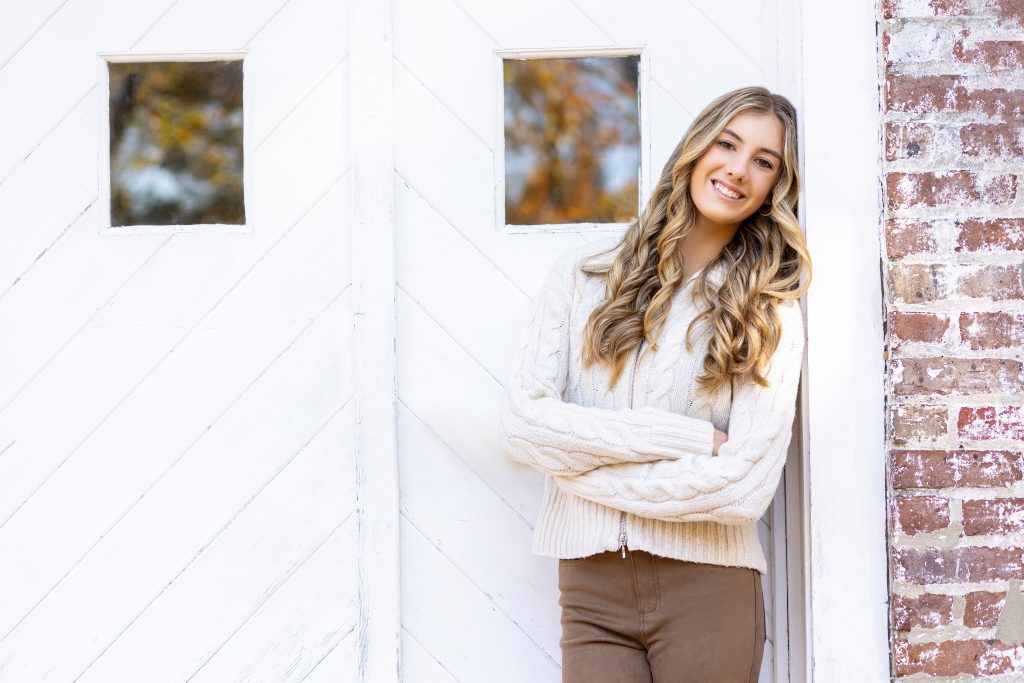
(726, 191)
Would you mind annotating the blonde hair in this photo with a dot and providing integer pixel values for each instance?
(762, 263)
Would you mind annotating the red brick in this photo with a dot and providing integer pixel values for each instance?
(957, 376)
(904, 236)
(995, 330)
(992, 140)
(993, 516)
(1008, 104)
(958, 565)
(922, 328)
(928, 611)
(990, 234)
(982, 609)
(934, 469)
(908, 141)
(921, 514)
(940, 188)
(996, 54)
(991, 422)
(953, 657)
(924, 94)
(1011, 12)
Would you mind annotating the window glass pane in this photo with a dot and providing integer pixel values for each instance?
(176, 143)
(572, 140)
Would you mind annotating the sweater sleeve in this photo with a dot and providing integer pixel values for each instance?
(541, 429)
(738, 484)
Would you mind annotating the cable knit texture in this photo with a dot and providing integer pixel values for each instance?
(643, 449)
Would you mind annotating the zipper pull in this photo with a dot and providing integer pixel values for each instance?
(622, 543)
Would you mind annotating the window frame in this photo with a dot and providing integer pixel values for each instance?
(645, 170)
(103, 143)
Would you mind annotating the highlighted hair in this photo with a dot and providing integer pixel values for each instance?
(762, 264)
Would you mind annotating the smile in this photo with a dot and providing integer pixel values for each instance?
(725, 191)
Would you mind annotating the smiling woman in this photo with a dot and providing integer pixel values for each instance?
(656, 483)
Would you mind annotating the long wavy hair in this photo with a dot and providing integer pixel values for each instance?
(762, 264)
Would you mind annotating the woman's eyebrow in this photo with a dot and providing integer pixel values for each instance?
(763, 149)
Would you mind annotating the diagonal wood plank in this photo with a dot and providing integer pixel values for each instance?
(456, 511)
(139, 555)
(457, 623)
(164, 437)
(303, 517)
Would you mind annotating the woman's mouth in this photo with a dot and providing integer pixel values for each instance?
(725, 192)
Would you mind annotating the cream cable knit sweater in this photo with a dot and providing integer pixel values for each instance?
(633, 466)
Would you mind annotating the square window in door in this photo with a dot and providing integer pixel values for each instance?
(176, 143)
(571, 140)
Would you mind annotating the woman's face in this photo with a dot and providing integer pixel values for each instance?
(734, 177)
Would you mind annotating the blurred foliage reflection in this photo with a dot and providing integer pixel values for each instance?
(572, 140)
(176, 143)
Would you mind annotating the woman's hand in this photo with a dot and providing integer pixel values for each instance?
(720, 438)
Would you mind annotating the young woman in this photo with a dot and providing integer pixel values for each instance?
(656, 387)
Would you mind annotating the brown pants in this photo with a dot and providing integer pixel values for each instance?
(647, 618)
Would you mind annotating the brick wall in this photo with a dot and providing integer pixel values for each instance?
(954, 237)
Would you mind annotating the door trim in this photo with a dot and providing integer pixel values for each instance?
(843, 403)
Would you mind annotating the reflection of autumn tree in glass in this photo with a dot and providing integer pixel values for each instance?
(572, 140)
(176, 143)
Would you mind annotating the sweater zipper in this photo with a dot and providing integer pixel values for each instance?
(622, 515)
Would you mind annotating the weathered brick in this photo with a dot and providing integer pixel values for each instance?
(908, 141)
(998, 283)
(943, 188)
(922, 514)
(924, 328)
(917, 423)
(924, 94)
(992, 330)
(958, 565)
(1010, 12)
(946, 376)
(931, 94)
(953, 657)
(999, 102)
(982, 609)
(998, 141)
(995, 54)
(990, 234)
(904, 236)
(927, 611)
(991, 422)
(935, 469)
(993, 516)
(918, 282)
(924, 8)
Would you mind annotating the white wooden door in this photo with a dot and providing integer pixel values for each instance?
(475, 604)
(177, 493)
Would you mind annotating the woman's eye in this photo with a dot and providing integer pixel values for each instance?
(725, 143)
(765, 164)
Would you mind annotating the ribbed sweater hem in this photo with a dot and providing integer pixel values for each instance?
(570, 527)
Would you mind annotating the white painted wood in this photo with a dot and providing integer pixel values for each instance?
(302, 517)
(847, 568)
(161, 391)
(444, 499)
(188, 499)
(455, 621)
(341, 664)
(374, 286)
